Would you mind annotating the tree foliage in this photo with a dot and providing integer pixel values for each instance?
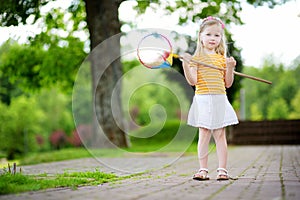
(276, 101)
(194, 10)
(51, 58)
(28, 74)
(30, 117)
(155, 99)
(21, 122)
(295, 114)
(16, 12)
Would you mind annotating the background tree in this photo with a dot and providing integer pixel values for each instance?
(42, 71)
(22, 120)
(48, 59)
(277, 101)
(103, 22)
(295, 114)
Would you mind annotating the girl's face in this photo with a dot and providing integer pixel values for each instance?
(211, 37)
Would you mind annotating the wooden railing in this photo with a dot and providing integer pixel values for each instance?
(265, 132)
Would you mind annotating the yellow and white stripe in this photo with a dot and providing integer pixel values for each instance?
(210, 81)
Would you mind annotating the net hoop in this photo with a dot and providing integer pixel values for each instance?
(166, 58)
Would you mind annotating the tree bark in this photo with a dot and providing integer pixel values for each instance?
(103, 23)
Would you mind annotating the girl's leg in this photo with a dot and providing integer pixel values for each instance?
(221, 144)
(203, 142)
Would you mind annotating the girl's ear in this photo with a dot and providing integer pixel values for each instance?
(201, 41)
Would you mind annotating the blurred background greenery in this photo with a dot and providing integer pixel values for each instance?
(36, 80)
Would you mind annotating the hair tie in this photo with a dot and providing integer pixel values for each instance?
(214, 18)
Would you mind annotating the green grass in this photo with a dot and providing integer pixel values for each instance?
(156, 138)
(154, 143)
(76, 153)
(185, 148)
(17, 183)
(66, 154)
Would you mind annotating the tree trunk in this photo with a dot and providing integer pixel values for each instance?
(103, 23)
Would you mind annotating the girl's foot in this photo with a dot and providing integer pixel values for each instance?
(201, 175)
(222, 174)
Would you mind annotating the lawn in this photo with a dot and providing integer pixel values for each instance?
(139, 143)
(19, 182)
(16, 183)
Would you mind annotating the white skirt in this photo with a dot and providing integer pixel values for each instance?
(211, 111)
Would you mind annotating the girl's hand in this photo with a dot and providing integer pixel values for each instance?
(190, 73)
(229, 75)
(186, 57)
(230, 63)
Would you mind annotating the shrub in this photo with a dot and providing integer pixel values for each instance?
(18, 124)
(75, 140)
(58, 139)
(81, 135)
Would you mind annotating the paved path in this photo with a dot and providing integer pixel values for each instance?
(265, 172)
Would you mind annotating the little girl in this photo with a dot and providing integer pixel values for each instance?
(210, 111)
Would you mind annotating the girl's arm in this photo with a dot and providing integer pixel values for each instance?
(229, 75)
(190, 73)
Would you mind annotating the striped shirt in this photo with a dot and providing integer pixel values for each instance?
(210, 81)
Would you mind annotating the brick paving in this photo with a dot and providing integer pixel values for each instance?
(264, 172)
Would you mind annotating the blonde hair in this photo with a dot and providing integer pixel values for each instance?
(221, 49)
